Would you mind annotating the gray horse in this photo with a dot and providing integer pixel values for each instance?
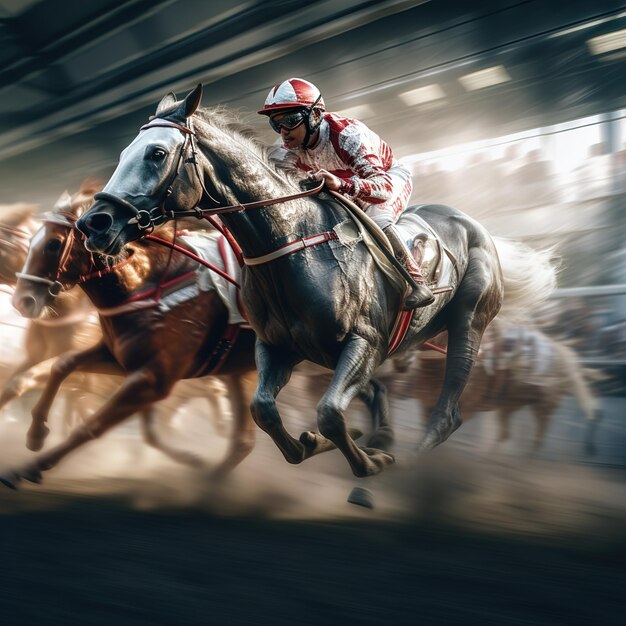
(310, 293)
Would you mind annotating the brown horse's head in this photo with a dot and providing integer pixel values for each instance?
(56, 258)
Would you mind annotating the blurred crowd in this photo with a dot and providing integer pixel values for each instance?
(559, 187)
(511, 178)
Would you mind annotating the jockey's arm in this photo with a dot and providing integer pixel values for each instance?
(370, 183)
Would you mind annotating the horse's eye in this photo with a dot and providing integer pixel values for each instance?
(158, 154)
(53, 246)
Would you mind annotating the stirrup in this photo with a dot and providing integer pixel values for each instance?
(418, 298)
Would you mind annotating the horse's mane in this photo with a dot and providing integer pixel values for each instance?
(230, 122)
(16, 214)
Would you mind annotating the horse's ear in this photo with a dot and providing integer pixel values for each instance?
(192, 100)
(64, 202)
(90, 186)
(167, 102)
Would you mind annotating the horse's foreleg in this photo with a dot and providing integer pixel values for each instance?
(244, 434)
(354, 366)
(542, 414)
(60, 370)
(504, 424)
(137, 390)
(275, 369)
(22, 380)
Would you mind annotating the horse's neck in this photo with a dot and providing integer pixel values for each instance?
(244, 176)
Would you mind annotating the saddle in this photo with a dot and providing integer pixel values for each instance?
(436, 261)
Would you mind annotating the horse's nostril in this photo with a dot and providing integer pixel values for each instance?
(26, 306)
(99, 222)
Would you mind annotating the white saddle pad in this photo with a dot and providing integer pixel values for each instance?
(207, 246)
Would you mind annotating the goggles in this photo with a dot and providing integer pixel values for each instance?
(289, 121)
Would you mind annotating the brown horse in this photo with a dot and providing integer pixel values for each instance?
(517, 367)
(65, 328)
(150, 290)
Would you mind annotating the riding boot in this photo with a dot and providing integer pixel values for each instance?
(420, 294)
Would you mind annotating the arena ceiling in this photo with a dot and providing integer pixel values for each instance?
(78, 78)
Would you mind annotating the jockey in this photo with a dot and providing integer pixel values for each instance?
(350, 158)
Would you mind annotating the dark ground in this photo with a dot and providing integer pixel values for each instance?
(120, 536)
(96, 561)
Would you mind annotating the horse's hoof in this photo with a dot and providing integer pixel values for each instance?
(361, 497)
(36, 436)
(32, 474)
(11, 480)
(382, 456)
(194, 461)
(308, 439)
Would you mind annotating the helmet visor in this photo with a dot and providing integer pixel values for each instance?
(288, 121)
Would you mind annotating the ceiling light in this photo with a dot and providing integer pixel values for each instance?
(357, 112)
(485, 78)
(608, 42)
(421, 95)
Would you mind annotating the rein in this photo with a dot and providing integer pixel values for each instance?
(249, 205)
(148, 219)
(68, 221)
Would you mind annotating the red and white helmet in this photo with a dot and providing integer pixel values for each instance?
(293, 92)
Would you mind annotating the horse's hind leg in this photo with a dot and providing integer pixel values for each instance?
(475, 304)
(354, 366)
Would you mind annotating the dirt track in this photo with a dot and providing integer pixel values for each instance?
(119, 535)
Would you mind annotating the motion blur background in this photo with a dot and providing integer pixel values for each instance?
(514, 112)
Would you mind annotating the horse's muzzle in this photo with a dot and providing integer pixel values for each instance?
(96, 221)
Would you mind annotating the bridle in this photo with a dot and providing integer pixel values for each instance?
(146, 220)
(55, 286)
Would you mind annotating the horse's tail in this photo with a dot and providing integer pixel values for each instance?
(529, 277)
